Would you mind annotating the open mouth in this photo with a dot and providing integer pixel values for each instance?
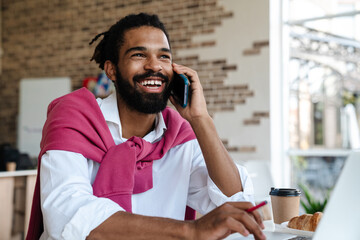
(151, 84)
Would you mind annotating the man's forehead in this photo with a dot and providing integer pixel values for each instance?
(147, 37)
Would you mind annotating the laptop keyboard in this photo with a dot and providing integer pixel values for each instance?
(300, 238)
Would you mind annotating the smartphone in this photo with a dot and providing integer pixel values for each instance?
(180, 89)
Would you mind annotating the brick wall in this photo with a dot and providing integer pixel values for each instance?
(49, 38)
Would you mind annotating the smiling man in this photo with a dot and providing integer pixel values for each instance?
(151, 89)
(127, 166)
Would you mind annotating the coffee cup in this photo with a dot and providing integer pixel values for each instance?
(285, 203)
(10, 166)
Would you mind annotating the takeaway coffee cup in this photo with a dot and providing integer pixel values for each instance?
(10, 166)
(285, 203)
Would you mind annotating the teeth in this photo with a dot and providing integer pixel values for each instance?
(151, 82)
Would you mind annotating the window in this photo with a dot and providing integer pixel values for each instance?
(315, 58)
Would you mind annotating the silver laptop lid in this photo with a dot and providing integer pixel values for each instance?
(341, 219)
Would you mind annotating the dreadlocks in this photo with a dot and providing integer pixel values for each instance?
(108, 48)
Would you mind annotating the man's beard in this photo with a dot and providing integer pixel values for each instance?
(148, 103)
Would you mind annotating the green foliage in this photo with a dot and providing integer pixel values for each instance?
(299, 162)
(312, 205)
(348, 98)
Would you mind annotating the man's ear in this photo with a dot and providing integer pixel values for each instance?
(110, 70)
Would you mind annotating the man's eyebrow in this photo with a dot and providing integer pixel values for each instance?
(165, 50)
(135, 49)
(144, 49)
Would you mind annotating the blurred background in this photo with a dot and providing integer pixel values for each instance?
(281, 80)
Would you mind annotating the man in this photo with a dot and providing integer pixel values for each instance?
(126, 167)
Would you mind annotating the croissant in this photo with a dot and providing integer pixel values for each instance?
(305, 222)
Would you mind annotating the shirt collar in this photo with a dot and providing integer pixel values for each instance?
(160, 127)
(109, 109)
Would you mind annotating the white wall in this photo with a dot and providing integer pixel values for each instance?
(250, 23)
(35, 96)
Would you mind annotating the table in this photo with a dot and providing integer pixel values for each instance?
(272, 232)
(16, 192)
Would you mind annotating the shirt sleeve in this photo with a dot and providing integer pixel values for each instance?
(70, 210)
(204, 195)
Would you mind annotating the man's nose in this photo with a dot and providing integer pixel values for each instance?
(153, 64)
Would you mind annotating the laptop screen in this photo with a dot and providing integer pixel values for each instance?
(341, 218)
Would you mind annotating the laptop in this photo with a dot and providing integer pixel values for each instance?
(341, 219)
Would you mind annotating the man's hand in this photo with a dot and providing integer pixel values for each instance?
(197, 104)
(220, 166)
(229, 218)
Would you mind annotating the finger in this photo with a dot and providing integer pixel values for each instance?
(241, 205)
(180, 69)
(236, 226)
(250, 224)
(258, 218)
(247, 205)
(234, 210)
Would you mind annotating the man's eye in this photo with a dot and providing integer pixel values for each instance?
(138, 55)
(165, 56)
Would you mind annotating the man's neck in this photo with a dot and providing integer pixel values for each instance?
(134, 123)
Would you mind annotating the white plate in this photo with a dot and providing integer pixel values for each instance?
(284, 228)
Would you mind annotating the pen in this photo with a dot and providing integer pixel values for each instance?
(256, 207)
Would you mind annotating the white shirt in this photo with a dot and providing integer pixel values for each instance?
(180, 178)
